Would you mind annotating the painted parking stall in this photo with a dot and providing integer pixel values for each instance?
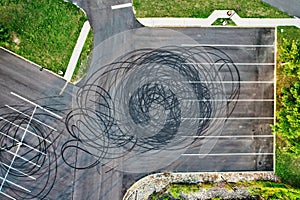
(25, 142)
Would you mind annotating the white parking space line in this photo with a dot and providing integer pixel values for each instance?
(227, 118)
(19, 186)
(25, 159)
(231, 136)
(31, 177)
(240, 64)
(18, 126)
(125, 5)
(24, 99)
(7, 195)
(230, 100)
(22, 143)
(29, 117)
(229, 45)
(228, 154)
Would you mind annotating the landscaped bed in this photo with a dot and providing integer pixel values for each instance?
(225, 190)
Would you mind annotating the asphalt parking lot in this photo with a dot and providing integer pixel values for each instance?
(221, 119)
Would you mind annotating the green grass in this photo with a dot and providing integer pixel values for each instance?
(287, 164)
(203, 8)
(43, 31)
(271, 190)
(287, 32)
(220, 22)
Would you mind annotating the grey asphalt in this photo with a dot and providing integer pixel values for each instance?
(292, 7)
(117, 32)
(24, 78)
(110, 183)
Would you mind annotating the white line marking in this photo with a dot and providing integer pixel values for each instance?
(125, 5)
(18, 148)
(25, 159)
(18, 126)
(15, 184)
(19, 171)
(229, 154)
(221, 100)
(229, 118)
(227, 45)
(32, 119)
(23, 143)
(7, 195)
(23, 98)
(240, 64)
(231, 136)
(229, 82)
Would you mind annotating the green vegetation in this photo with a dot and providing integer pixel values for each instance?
(173, 191)
(288, 106)
(203, 8)
(270, 190)
(4, 33)
(176, 189)
(224, 22)
(257, 190)
(43, 31)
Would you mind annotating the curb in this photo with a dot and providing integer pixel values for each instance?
(144, 187)
(77, 51)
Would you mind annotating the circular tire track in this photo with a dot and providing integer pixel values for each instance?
(132, 113)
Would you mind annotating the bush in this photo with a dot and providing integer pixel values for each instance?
(290, 57)
(4, 33)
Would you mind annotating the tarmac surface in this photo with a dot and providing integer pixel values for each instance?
(190, 99)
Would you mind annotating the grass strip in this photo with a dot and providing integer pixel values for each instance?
(287, 164)
(257, 190)
(203, 8)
